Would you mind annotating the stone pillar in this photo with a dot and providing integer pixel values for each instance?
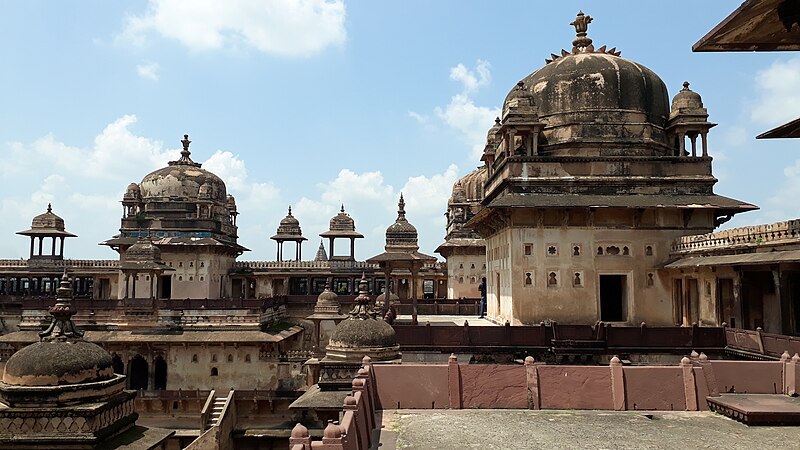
(693, 138)
(704, 139)
(32, 239)
(41, 239)
(617, 384)
(127, 284)
(454, 382)
(353, 248)
(330, 248)
(689, 387)
(532, 376)
(414, 272)
(53, 247)
(61, 253)
(681, 144)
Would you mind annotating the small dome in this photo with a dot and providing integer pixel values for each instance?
(231, 203)
(342, 222)
(492, 136)
(363, 334)
(48, 221)
(687, 106)
(381, 299)
(401, 232)
(289, 228)
(58, 363)
(143, 251)
(327, 297)
(132, 193)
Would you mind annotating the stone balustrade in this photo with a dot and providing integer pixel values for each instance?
(778, 233)
(63, 263)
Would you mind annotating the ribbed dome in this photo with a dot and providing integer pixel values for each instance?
(342, 222)
(401, 232)
(687, 106)
(48, 220)
(132, 192)
(58, 363)
(363, 334)
(182, 180)
(594, 97)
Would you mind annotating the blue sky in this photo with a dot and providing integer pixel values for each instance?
(314, 103)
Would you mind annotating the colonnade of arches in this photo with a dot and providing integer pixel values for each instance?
(139, 374)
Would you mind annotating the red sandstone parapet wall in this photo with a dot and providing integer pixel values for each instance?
(615, 387)
(538, 386)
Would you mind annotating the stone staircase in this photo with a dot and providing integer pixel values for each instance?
(216, 411)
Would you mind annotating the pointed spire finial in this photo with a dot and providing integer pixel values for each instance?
(185, 158)
(49, 208)
(290, 210)
(61, 327)
(342, 210)
(581, 42)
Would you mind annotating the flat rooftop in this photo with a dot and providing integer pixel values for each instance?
(441, 319)
(522, 429)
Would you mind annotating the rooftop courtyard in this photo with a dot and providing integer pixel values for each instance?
(512, 429)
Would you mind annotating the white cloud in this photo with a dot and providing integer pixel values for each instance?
(462, 114)
(420, 118)
(279, 27)
(85, 186)
(472, 80)
(779, 93)
(148, 71)
(470, 120)
(373, 204)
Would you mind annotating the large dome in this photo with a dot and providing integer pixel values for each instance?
(182, 180)
(596, 97)
(57, 363)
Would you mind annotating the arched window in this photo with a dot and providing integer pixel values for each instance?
(214, 372)
(117, 365)
(160, 373)
(138, 373)
(247, 358)
(230, 358)
(194, 358)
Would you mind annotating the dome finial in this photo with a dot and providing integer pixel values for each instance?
(49, 208)
(685, 85)
(497, 121)
(61, 327)
(185, 158)
(582, 43)
(401, 208)
(290, 210)
(342, 210)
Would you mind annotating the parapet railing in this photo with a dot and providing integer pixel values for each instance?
(63, 263)
(560, 337)
(774, 233)
(756, 343)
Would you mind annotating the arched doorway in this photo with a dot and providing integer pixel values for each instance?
(138, 373)
(117, 365)
(160, 373)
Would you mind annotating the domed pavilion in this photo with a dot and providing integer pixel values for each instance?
(62, 393)
(402, 253)
(589, 180)
(187, 213)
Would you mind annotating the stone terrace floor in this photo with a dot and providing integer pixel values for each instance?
(446, 320)
(516, 429)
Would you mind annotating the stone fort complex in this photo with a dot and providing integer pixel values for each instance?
(594, 208)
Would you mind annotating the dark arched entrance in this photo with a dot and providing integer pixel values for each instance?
(160, 373)
(138, 373)
(116, 364)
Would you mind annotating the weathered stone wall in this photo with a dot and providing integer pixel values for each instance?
(552, 272)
